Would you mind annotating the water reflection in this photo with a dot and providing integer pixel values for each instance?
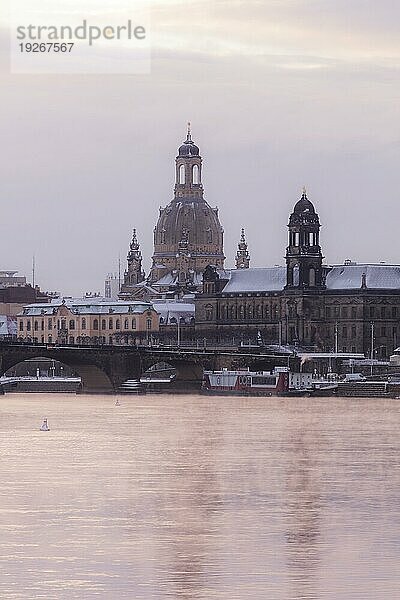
(302, 514)
(192, 497)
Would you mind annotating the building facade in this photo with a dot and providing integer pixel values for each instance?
(87, 321)
(346, 308)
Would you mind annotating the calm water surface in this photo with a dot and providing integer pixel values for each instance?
(191, 497)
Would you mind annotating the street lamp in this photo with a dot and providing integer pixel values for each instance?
(336, 337)
(372, 346)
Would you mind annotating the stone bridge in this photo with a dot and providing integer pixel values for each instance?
(104, 368)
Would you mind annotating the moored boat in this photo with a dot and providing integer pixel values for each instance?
(279, 382)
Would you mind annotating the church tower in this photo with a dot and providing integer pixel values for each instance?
(188, 235)
(303, 254)
(242, 254)
(134, 273)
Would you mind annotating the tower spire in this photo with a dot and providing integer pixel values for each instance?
(134, 273)
(188, 186)
(242, 254)
(304, 254)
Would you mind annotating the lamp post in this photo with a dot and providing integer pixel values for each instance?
(372, 346)
(336, 337)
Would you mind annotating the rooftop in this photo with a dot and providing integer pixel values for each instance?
(339, 277)
(82, 306)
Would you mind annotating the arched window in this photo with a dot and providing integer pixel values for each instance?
(133, 323)
(103, 324)
(126, 324)
(241, 311)
(50, 339)
(50, 324)
(296, 275)
(21, 325)
(161, 320)
(42, 325)
(209, 312)
(117, 324)
(110, 324)
(72, 324)
(312, 277)
(182, 174)
(95, 324)
(196, 174)
(28, 326)
(162, 236)
(36, 325)
(83, 323)
(71, 339)
(209, 235)
(148, 324)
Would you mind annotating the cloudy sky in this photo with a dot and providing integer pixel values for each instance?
(280, 93)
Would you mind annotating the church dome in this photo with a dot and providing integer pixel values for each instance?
(188, 235)
(188, 147)
(304, 211)
(195, 221)
(304, 205)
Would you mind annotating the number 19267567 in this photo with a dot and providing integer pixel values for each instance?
(46, 47)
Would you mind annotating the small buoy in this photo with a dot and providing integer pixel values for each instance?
(117, 402)
(44, 426)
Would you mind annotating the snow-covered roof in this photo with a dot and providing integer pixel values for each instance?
(339, 277)
(87, 306)
(377, 277)
(271, 279)
(172, 279)
(8, 325)
(172, 310)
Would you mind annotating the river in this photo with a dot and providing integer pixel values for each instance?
(197, 497)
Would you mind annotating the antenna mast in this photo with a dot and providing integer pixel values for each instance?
(33, 271)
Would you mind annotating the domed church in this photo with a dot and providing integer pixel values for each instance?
(188, 235)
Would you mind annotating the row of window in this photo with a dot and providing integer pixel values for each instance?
(195, 175)
(244, 312)
(383, 312)
(62, 324)
(272, 312)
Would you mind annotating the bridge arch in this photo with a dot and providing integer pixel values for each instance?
(102, 370)
(94, 379)
(187, 373)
